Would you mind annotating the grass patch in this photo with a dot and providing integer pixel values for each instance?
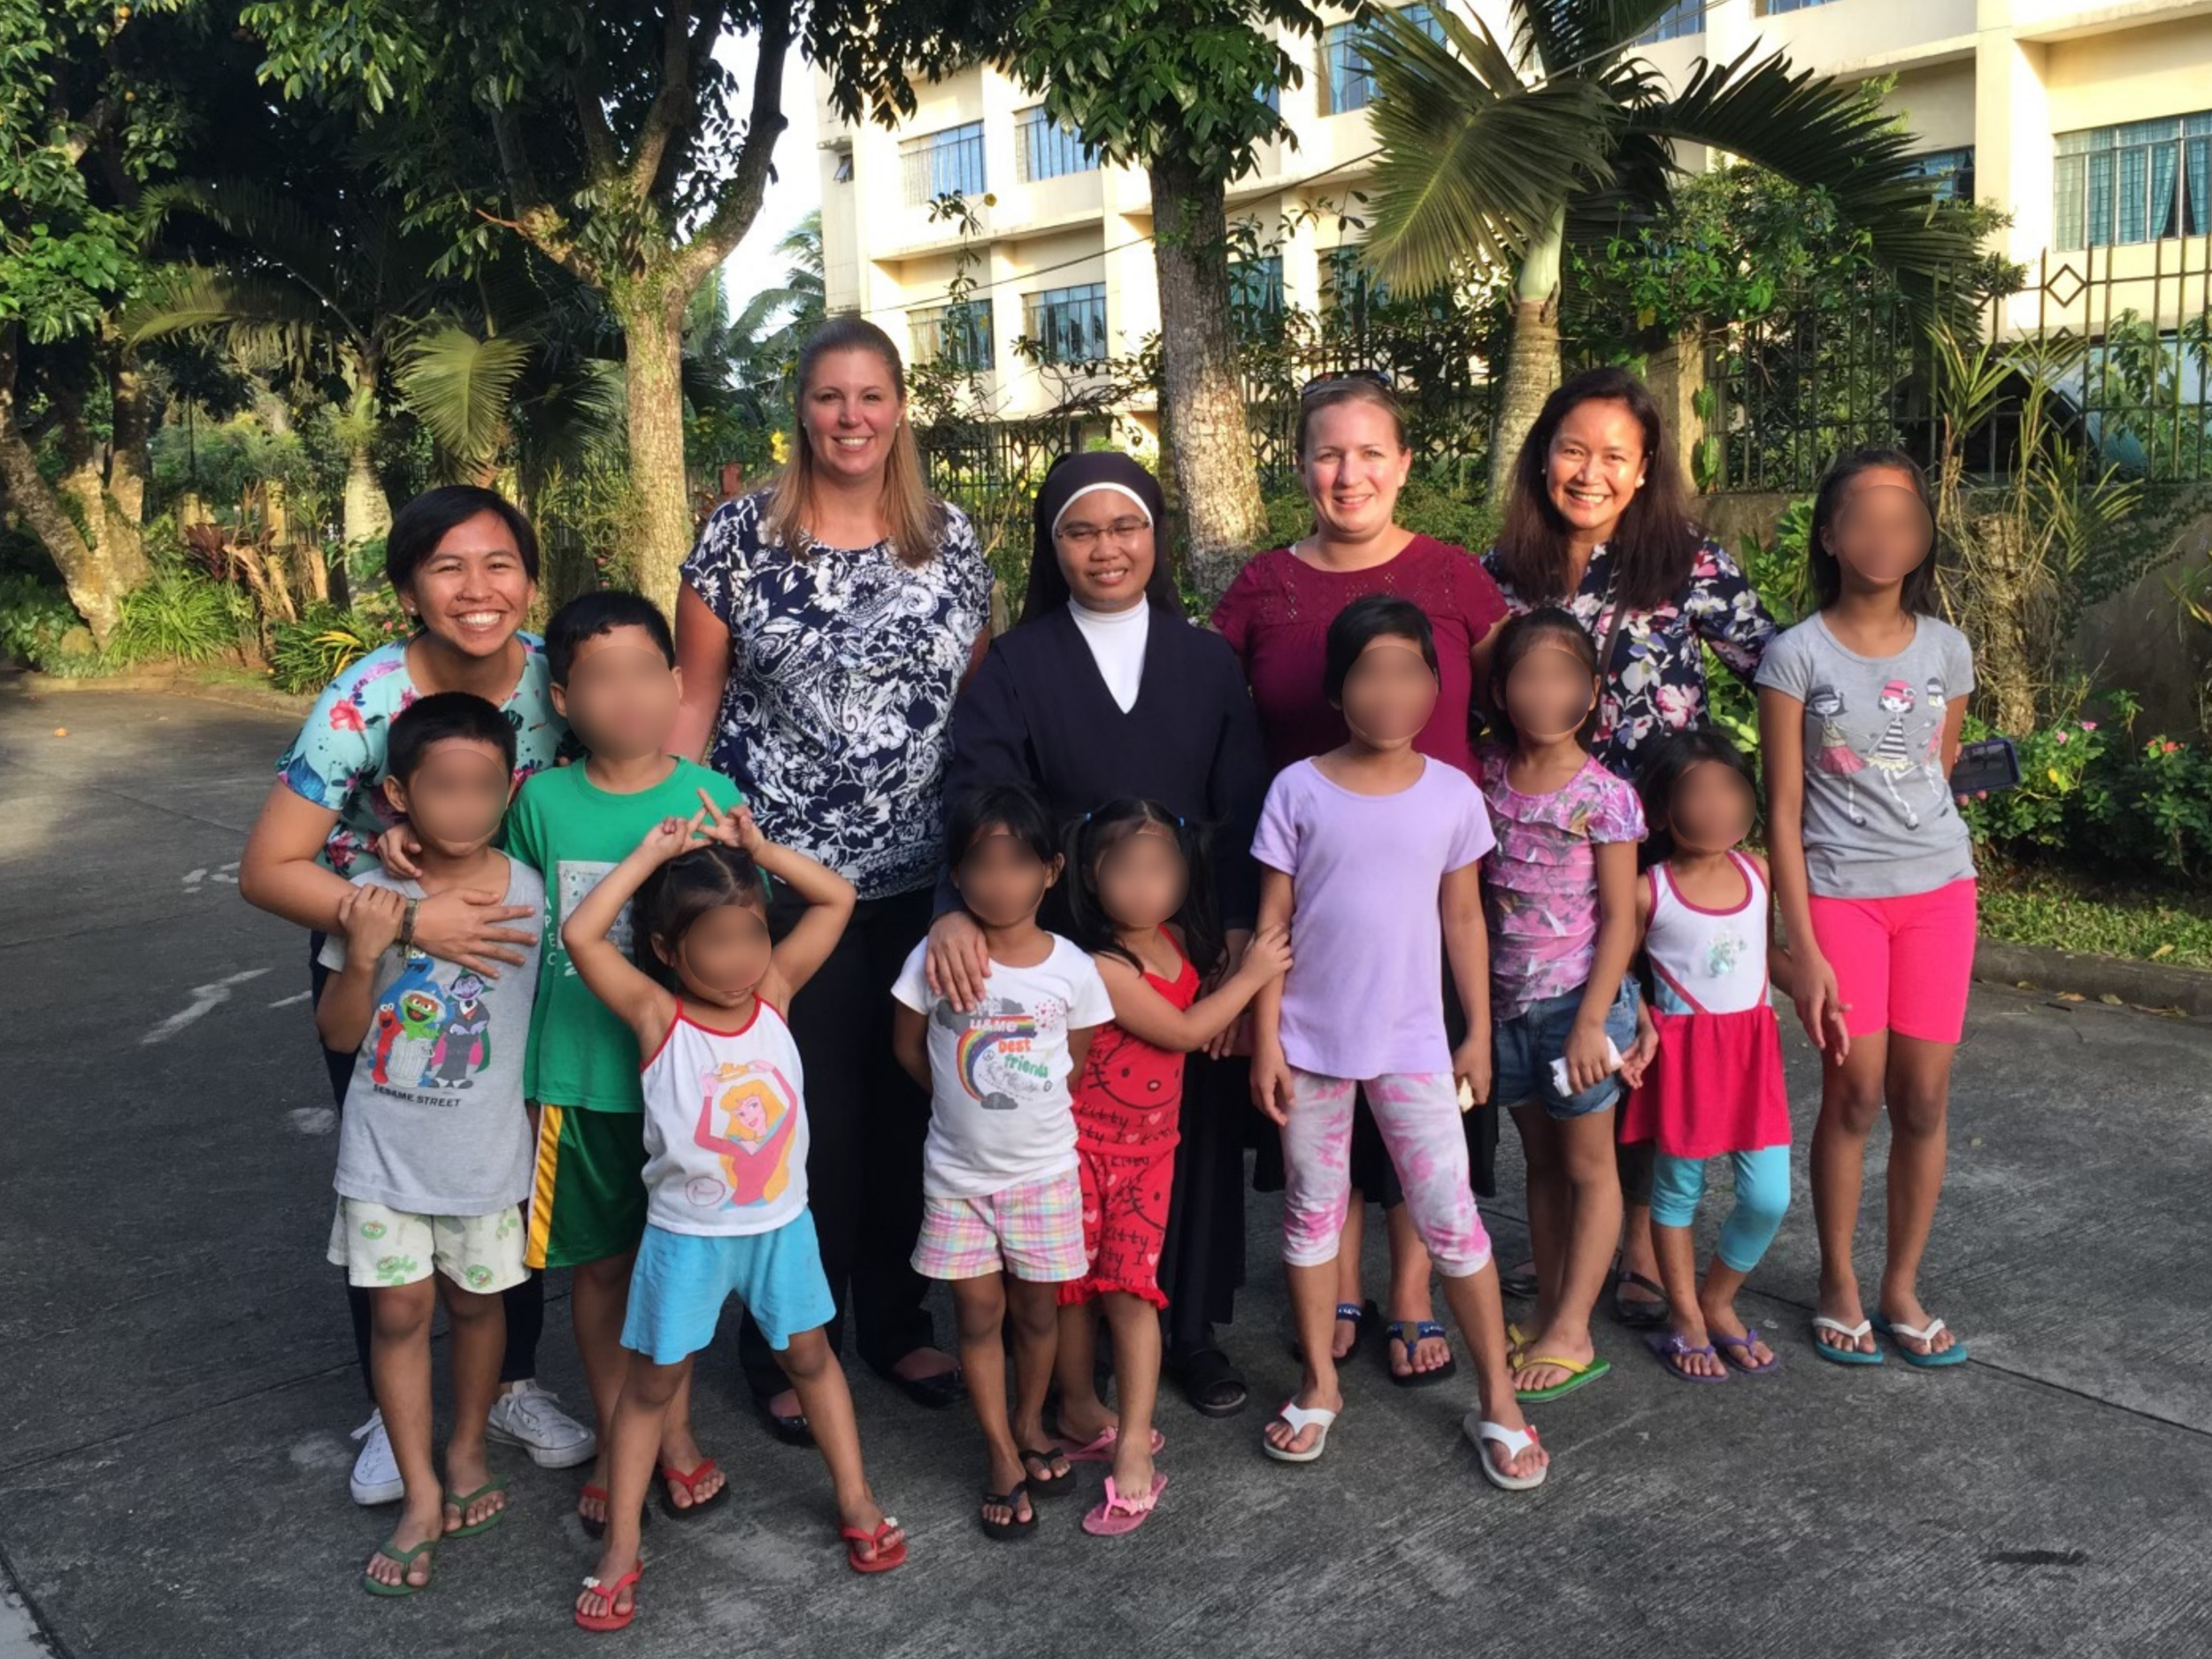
(2023, 905)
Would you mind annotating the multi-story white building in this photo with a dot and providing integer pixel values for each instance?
(2090, 123)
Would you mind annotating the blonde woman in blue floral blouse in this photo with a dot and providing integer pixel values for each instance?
(824, 627)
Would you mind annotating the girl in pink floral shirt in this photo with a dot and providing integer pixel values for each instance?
(1560, 897)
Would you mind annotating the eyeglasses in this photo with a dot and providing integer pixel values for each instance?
(1347, 376)
(1081, 538)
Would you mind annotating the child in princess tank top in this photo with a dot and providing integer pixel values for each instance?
(725, 1140)
(1715, 1087)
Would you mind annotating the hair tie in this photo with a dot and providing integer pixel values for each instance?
(1179, 823)
(1087, 817)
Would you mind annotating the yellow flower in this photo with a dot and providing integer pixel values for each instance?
(2051, 773)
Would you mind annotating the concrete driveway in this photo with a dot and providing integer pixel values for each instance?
(178, 1381)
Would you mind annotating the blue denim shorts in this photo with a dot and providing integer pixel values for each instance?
(1523, 1048)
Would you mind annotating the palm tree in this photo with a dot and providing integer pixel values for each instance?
(1505, 159)
(765, 336)
(333, 283)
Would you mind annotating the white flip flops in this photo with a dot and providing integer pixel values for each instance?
(1515, 1441)
(1299, 1418)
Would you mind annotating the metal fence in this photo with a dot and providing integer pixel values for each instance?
(2121, 336)
(1448, 404)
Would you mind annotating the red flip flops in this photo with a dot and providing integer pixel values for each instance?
(884, 1559)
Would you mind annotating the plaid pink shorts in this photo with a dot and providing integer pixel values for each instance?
(1034, 1231)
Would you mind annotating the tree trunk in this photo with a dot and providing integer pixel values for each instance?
(1217, 480)
(652, 357)
(368, 511)
(129, 465)
(99, 564)
(2007, 661)
(1531, 361)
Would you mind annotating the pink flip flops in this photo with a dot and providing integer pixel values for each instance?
(1118, 1515)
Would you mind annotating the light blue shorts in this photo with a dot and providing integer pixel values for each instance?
(682, 1279)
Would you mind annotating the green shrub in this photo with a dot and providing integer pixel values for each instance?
(2087, 801)
(180, 616)
(34, 617)
(307, 654)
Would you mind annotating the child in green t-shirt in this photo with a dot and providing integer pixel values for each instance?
(613, 671)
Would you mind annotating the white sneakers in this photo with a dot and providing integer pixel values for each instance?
(529, 1417)
(376, 1471)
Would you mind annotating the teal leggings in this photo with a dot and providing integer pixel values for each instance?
(1762, 1193)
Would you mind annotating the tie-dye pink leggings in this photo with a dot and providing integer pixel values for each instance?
(1418, 1116)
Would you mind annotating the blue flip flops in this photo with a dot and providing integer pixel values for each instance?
(1954, 1355)
(1851, 1332)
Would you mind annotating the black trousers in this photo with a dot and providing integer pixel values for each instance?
(1202, 1263)
(867, 1121)
(524, 1303)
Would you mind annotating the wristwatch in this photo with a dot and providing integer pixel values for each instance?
(407, 927)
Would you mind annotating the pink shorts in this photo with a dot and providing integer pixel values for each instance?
(1902, 965)
(1034, 1231)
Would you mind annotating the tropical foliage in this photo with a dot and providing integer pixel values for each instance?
(1487, 166)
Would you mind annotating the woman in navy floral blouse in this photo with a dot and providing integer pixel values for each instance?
(824, 627)
(1599, 522)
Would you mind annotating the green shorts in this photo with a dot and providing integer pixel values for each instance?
(589, 1200)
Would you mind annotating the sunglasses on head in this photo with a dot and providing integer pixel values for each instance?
(1347, 376)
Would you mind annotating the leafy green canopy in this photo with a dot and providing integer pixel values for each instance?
(1176, 79)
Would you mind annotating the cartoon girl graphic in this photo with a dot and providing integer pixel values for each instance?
(1835, 754)
(747, 1119)
(1892, 757)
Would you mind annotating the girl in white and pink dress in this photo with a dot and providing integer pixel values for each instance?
(1715, 1089)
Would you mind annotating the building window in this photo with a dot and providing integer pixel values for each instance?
(1255, 296)
(1350, 286)
(843, 173)
(957, 336)
(1043, 149)
(1067, 325)
(2144, 181)
(950, 162)
(1683, 17)
(1346, 84)
(1951, 173)
(1775, 8)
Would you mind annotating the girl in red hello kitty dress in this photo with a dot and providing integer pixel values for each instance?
(1142, 904)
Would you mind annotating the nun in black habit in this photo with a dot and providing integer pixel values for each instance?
(1104, 689)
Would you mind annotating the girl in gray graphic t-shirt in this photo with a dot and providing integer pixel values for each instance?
(1859, 713)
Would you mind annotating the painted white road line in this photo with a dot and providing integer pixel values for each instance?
(287, 1001)
(19, 1637)
(205, 999)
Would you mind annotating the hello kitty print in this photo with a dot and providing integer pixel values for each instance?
(1879, 820)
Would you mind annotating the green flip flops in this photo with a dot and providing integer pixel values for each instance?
(1579, 1375)
(462, 1500)
(406, 1558)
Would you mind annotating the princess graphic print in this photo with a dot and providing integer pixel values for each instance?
(1880, 820)
(434, 1122)
(1001, 1112)
(725, 1132)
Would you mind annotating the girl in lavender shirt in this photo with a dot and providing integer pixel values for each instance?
(1370, 852)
